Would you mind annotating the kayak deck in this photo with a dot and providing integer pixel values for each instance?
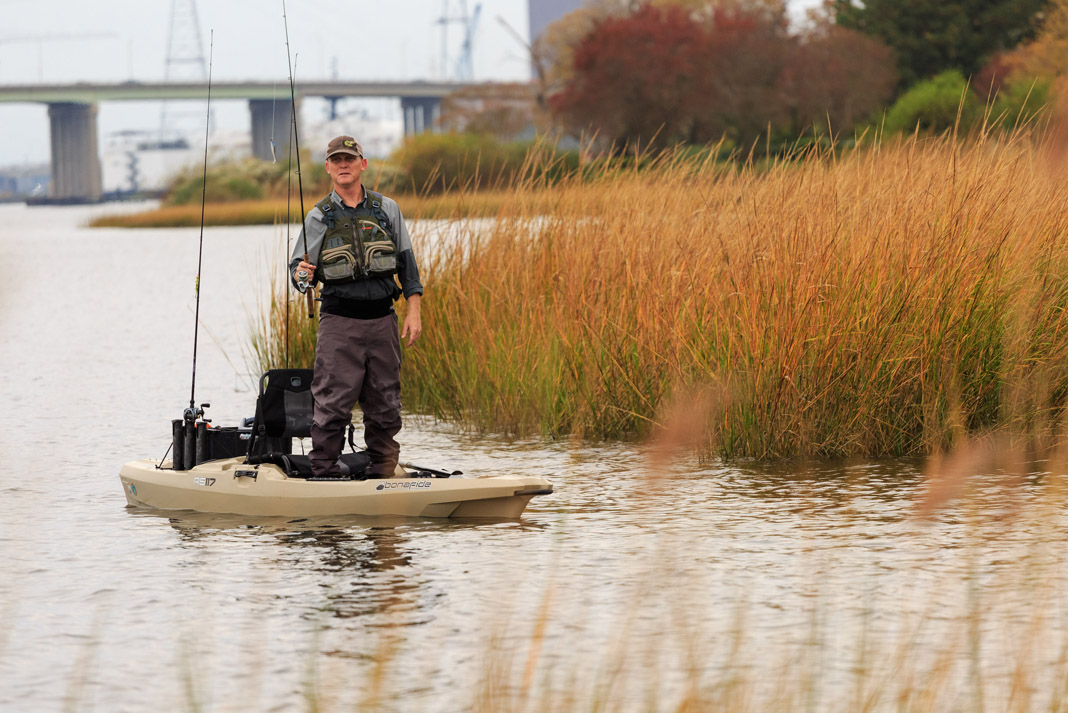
(232, 486)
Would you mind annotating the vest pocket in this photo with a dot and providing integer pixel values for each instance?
(338, 264)
(381, 256)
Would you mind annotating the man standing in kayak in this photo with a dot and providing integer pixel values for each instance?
(358, 248)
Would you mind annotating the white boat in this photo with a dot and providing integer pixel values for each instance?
(251, 470)
(232, 485)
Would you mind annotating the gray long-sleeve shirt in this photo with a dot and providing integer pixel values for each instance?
(370, 289)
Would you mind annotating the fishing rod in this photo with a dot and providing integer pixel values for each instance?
(184, 430)
(302, 278)
(289, 220)
(192, 413)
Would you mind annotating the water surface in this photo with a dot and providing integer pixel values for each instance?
(640, 583)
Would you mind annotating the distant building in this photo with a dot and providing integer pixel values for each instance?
(134, 162)
(19, 182)
(545, 12)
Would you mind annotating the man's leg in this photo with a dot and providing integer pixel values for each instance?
(380, 398)
(339, 376)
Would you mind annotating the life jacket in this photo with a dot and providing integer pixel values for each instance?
(359, 245)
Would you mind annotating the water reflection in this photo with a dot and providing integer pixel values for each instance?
(364, 564)
(835, 483)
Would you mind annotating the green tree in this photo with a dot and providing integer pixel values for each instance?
(935, 105)
(931, 36)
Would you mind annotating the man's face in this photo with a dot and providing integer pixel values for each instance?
(345, 169)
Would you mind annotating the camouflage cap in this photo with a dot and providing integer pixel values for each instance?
(344, 144)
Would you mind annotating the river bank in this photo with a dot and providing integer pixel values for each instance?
(270, 212)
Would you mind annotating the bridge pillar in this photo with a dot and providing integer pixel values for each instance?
(271, 118)
(421, 114)
(75, 151)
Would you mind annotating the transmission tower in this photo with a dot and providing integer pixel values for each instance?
(465, 70)
(185, 63)
(468, 24)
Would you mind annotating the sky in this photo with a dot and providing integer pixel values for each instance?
(119, 40)
(66, 41)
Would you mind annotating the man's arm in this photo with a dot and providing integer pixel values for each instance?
(407, 269)
(408, 274)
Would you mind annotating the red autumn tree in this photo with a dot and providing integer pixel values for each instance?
(748, 47)
(837, 78)
(667, 73)
(636, 78)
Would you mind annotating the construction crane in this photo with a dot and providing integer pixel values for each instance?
(469, 25)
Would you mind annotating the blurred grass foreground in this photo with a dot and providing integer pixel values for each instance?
(884, 300)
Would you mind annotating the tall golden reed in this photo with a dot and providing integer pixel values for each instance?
(881, 301)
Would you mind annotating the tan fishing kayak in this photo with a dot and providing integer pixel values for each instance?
(233, 486)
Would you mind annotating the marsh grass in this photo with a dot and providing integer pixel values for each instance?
(282, 335)
(257, 212)
(879, 301)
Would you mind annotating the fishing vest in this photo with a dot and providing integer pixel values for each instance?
(358, 245)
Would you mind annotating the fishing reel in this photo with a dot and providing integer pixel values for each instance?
(302, 280)
(191, 415)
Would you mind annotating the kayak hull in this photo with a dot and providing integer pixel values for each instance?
(232, 486)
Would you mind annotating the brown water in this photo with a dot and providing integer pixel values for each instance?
(808, 578)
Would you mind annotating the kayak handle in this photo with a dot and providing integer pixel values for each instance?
(439, 473)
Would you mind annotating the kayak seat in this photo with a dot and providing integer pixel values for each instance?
(283, 412)
(284, 405)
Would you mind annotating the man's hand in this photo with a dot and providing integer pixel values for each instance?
(304, 279)
(413, 323)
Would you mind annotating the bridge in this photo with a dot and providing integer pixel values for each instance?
(72, 110)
